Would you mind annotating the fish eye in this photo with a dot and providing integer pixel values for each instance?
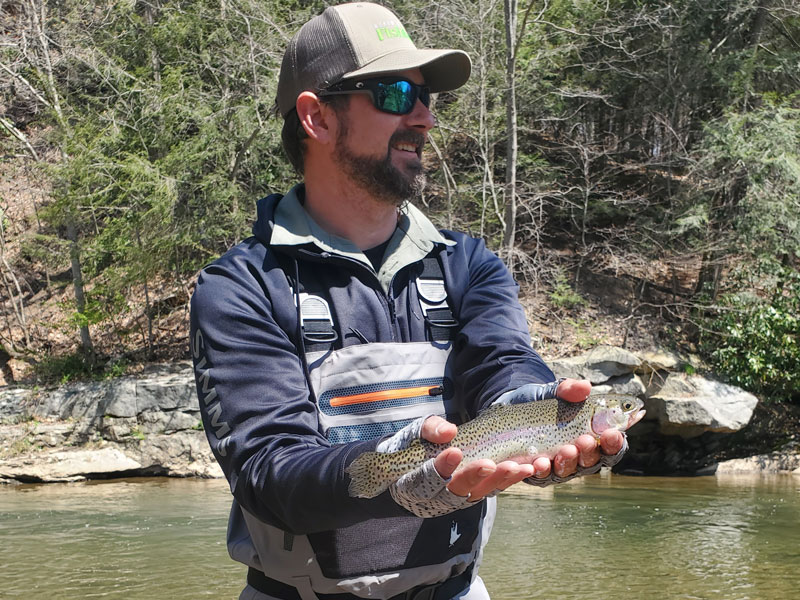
(627, 405)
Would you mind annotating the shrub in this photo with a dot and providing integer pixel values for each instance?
(756, 342)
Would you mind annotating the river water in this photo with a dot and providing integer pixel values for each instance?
(607, 536)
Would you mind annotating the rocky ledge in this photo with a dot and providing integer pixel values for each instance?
(144, 425)
(695, 424)
(150, 424)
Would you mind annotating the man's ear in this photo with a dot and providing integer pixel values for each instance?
(315, 117)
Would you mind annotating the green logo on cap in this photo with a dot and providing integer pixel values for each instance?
(395, 31)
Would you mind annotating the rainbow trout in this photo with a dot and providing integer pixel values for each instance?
(518, 431)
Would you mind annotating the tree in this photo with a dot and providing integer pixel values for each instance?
(29, 61)
(748, 177)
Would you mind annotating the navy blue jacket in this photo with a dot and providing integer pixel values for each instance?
(258, 412)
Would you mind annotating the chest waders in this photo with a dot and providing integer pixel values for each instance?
(366, 391)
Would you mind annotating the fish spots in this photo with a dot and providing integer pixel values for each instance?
(566, 412)
(501, 432)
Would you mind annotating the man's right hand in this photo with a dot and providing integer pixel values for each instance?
(477, 479)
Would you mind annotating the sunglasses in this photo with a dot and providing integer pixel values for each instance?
(392, 95)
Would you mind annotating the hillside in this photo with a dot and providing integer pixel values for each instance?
(563, 321)
(652, 199)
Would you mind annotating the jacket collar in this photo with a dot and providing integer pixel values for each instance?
(412, 241)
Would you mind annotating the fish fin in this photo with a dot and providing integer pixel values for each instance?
(367, 477)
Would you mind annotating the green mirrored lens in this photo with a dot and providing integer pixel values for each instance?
(397, 97)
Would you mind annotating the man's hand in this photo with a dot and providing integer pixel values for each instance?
(483, 477)
(585, 451)
(480, 477)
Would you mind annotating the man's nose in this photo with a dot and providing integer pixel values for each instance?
(421, 118)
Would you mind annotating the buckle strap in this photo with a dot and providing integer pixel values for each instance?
(433, 300)
(445, 590)
(316, 322)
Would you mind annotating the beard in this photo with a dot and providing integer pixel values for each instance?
(378, 175)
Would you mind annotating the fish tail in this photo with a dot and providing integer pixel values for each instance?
(370, 475)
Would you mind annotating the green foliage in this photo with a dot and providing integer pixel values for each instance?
(47, 250)
(752, 165)
(115, 368)
(76, 367)
(757, 342)
(563, 295)
(66, 368)
(586, 334)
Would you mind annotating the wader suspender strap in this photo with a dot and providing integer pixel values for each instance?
(316, 322)
(433, 301)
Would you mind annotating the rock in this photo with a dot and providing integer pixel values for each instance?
(118, 429)
(52, 435)
(624, 384)
(121, 400)
(179, 367)
(165, 389)
(143, 425)
(776, 462)
(605, 362)
(183, 454)
(568, 367)
(688, 406)
(658, 360)
(157, 421)
(12, 400)
(167, 393)
(67, 465)
(74, 401)
(598, 365)
(134, 396)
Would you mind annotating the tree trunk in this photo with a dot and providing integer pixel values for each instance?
(155, 61)
(512, 149)
(14, 292)
(148, 307)
(80, 296)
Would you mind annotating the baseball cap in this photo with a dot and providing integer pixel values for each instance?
(359, 40)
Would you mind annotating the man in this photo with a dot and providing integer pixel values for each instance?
(347, 324)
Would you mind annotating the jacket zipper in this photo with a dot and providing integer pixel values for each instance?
(392, 310)
(388, 298)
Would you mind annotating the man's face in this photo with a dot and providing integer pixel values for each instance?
(382, 152)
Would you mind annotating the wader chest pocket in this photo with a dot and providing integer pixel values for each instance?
(368, 398)
(379, 409)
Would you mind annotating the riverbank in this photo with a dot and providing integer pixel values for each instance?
(150, 424)
(130, 426)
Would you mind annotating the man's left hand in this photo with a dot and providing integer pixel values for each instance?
(585, 451)
(476, 479)
(580, 457)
